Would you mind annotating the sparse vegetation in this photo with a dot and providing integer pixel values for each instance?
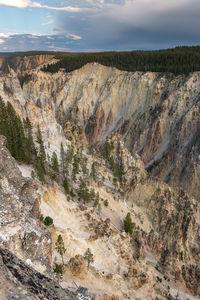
(106, 203)
(48, 221)
(88, 256)
(128, 226)
(60, 247)
(159, 279)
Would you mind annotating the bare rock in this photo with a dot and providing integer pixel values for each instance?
(77, 265)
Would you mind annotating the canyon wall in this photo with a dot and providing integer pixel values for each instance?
(158, 115)
(22, 63)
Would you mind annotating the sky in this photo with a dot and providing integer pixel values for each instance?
(98, 25)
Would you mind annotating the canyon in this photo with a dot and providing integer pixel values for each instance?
(152, 121)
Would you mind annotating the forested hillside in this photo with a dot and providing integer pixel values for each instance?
(180, 60)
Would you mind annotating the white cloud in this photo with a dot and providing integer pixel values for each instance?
(48, 23)
(4, 35)
(27, 3)
(74, 36)
(2, 41)
(15, 3)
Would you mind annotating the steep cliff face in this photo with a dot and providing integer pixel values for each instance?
(20, 230)
(156, 114)
(22, 63)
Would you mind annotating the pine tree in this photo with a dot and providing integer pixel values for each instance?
(40, 170)
(75, 169)
(88, 256)
(60, 247)
(93, 173)
(62, 160)
(30, 147)
(41, 152)
(128, 226)
(54, 162)
(68, 159)
(83, 191)
(66, 186)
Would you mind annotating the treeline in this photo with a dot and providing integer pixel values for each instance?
(180, 60)
(20, 139)
(18, 133)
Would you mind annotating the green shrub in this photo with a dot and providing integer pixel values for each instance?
(159, 279)
(183, 272)
(58, 269)
(106, 203)
(48, 221)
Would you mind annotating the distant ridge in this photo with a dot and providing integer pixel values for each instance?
(179, 60)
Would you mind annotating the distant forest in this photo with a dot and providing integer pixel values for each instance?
(180, 60)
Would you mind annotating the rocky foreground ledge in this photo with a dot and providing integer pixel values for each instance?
(19, 281)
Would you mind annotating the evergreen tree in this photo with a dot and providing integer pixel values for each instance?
(75, 169)
(30, 147)
(93, 173)
(68, 159)
(66, 186)
(11, 126)
(83, 164)
(41, 152)
(40, 170)
(83, 191)
(54, 162)
(128, 226)
(60, 247)
(62, 160)
(88, 256)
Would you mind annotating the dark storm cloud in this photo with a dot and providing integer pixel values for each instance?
(139, 24)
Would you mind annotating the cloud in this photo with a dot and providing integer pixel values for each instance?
(15, 3)
(114, 24)
(74, 36)
(4, 35)
(28, 42)
(27, 3)
(48, 23)
(135, 24)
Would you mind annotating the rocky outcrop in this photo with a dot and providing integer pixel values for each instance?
(26, 283)
(77, 265)
(20, 229)
(24, 63)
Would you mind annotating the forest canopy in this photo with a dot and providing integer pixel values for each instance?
(180, 60)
